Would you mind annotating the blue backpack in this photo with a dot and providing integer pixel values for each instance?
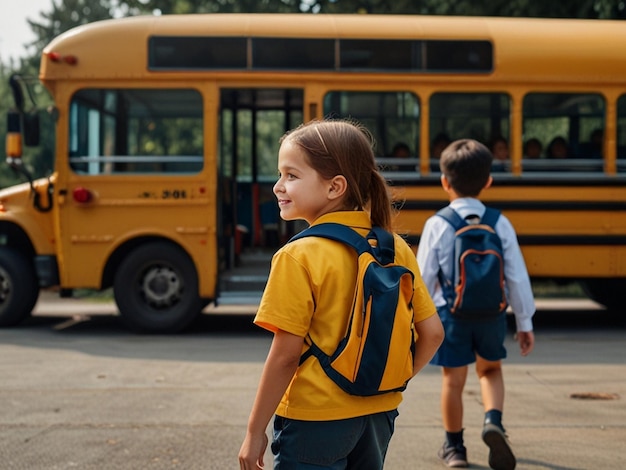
(477, 290)
(376, 354)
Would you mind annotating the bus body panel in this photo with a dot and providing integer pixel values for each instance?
(17, 208)
(178, 210)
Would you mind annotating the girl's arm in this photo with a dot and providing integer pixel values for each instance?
(430, 335)
(280, 366)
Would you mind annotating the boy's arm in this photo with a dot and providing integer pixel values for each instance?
(526, 341)
(519, 289)
(427, 258)
(280, 366)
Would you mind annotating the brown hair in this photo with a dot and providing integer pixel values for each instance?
(466, 164)
(342, 147)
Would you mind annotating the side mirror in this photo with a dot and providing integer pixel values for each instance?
(31, 128)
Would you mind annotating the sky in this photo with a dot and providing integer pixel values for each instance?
(14, 30)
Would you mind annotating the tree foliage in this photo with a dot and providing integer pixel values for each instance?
(66, 15)
(515, 8)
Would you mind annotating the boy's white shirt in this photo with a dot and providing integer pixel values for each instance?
(435, 250)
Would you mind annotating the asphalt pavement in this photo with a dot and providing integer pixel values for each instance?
(78, 391)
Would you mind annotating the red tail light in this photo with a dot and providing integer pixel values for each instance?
(82, 195)
(57, 57)
(54, 56)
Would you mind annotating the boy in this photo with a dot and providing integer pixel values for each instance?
(465, 167)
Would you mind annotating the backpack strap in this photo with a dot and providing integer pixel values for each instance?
(490, 217)
(452, 217)
(457, 222)
(384, 251)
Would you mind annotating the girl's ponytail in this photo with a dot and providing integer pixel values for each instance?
(380, 203)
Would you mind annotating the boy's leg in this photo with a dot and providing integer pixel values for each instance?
(454, 355)
(491, 383)
(452, 397)
(453, 451)
(492, 390)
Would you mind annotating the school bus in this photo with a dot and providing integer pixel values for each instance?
(166, 139)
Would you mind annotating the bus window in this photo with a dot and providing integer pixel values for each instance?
(568, 126)
(393, 118)
(621, 134)
(136, 131)
(481, 116)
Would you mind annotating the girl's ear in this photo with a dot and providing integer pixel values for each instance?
(338, 187)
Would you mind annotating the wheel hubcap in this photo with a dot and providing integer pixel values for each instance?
(161, 286)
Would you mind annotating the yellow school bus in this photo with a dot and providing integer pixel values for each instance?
(167, 128)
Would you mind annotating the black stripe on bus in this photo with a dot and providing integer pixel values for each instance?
(570, 240)
(551, 206)
(525, 181)
(557, 240)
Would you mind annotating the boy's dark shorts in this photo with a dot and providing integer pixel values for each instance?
(466, 338)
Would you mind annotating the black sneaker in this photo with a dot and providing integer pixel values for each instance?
(500, 454)
(453, 456)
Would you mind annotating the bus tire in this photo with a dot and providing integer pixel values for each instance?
(19, 287)
(156, 289)
(607, 292)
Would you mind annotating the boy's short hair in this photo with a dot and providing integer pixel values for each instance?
(466, 164)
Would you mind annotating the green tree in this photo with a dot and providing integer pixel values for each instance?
(65, 14)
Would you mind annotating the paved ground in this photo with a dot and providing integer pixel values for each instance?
(80, 392)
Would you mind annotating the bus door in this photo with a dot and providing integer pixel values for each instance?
(252, 121)
(135, 160)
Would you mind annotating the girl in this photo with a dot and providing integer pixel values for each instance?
(327, 173)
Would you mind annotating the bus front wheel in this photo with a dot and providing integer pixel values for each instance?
(156, 289)
(19, 288)
(608, 292)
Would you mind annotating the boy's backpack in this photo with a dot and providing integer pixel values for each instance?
(478, 290)
(376, 354)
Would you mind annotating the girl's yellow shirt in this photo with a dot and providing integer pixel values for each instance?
(310, 291)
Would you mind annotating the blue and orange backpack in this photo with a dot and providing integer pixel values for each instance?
(478, 288)
(376, 354)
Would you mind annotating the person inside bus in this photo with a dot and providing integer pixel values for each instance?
(500, 152)
(400, 150)
(558, 148)
(596, 143)
(440, 142)
(533, 149)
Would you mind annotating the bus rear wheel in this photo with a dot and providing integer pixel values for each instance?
(19, 288)
(156, 289)
(608, 292)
